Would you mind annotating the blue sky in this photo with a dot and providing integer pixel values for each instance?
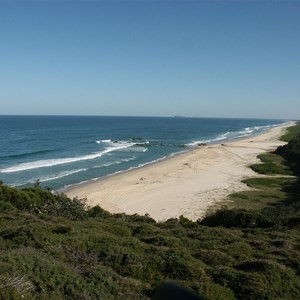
(151, 58)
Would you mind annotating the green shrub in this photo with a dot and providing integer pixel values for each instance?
(61, 229)
(68, 251)
(179, 266)
(291, 152)
(15, 287)
(291, 132)
(7, 207)
(98, 212)
(214, 257)
(22, 200)
(232, 218)
(60, 205)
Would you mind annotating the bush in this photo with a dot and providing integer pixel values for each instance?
(22, 200)
(291, 152)
(7, 207)
(61, 229)
(232, 218)
(15, 287)
(43, 201)
(98, 212)
(214, 257)
(68, 251)
(60, 205)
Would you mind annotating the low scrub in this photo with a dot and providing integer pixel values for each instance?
(71, 251)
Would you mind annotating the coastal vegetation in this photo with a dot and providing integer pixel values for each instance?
(281, 185)
(53, 247)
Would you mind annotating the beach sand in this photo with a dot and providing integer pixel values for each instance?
(187, 184)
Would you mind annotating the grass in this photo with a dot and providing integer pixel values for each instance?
(254, 200)
(272, 163)
(266, 191)
(291, 132)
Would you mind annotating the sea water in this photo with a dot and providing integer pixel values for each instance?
(60, 151)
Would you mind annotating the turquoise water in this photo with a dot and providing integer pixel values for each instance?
(65, 150)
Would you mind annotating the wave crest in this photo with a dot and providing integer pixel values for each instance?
(59, 161)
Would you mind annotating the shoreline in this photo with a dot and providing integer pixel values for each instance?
(67, 188)
(187, 183)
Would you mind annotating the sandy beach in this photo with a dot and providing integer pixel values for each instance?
(187, 184)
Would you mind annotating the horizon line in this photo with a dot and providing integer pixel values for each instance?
(141, 116)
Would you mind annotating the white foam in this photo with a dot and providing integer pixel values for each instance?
(137, 149)
(114, 163)
(53, 177)
(59, 161)
(218, 138)
(103, 141)
(248, 131)
(62, 174)
(221, 137)
(243, 135)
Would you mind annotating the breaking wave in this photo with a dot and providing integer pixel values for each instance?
(248, 131)
(59, 161)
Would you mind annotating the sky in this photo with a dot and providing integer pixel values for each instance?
(150, 58)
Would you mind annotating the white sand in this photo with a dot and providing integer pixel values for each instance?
(187, 184)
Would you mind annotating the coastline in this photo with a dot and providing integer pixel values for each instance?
(186, 184)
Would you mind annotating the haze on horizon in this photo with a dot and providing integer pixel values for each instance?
(151, 58)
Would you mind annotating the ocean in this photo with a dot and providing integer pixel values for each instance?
(60, 151)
